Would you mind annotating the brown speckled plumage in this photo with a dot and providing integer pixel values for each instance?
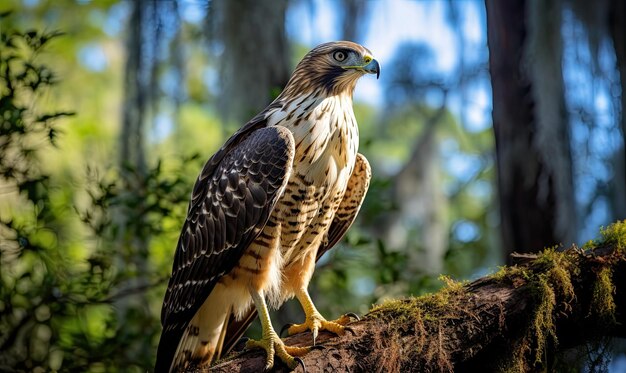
(282, 191)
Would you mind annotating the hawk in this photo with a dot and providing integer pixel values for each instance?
(279, 193)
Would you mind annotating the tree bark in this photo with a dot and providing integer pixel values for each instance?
(532, 140)
(132, 247)
(351, 15)
(254, 65)
(617, 30)
(516, 319)
(132, 238)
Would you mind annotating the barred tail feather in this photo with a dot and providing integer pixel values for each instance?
(201, 341)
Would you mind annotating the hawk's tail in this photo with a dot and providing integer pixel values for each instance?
(167, 348)
(199, 343)
(236, 328)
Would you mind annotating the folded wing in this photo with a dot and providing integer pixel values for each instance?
(230, 204)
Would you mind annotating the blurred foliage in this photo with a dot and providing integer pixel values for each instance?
(33, 272)
(60, 281)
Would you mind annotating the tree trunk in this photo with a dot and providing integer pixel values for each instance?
(617, 30)
(351, 15)
(130, 249)
(516, 319)
(133, 247)
(532, 140)
(132, 141)
(254, 65)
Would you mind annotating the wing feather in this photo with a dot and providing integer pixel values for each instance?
(230, 204)
(350, 204)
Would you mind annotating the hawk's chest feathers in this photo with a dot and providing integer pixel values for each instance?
(326, 137)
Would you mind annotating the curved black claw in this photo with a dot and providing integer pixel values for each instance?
(241, 344)
(300, 362)
(353, 315)
(285, 327)
(349, 329)
(317, 347)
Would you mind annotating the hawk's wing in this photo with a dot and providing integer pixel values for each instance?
(230, 204)
(350, 205)
(344, 217)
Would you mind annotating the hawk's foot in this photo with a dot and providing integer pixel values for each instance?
(347, 318)
(316, 322)
(274, 346)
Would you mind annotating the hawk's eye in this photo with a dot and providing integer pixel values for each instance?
(340, 56)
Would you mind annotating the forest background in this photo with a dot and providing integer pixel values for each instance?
(493, 128)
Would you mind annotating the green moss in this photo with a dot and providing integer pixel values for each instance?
(510, 273)
(615, 234)
(602, 301)
(420, 319)
(452, 285)
(542, 324)
(551, 278)
(589, 245)
(547, 277)
(397, 310)
(559, 269)
(428, 306)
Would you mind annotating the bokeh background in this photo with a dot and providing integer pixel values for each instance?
(110, 108)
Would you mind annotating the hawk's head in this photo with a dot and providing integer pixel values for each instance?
(332, 68)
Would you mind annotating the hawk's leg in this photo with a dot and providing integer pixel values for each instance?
(314, 321)
(270, 341)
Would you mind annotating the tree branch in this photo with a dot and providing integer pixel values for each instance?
(516, 319)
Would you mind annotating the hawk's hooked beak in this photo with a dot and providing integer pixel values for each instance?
(371, 67)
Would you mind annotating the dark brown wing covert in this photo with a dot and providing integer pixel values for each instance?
(230, 204)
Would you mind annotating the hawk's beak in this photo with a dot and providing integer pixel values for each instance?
(372, 68)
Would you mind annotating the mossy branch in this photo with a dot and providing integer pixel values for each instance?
(514, 320)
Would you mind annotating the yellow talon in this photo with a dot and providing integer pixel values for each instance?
(316, 322)
(297, 351)
(345, 319)
(274, 346)
(271, 342)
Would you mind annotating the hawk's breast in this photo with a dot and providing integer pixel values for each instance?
(326, 141)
